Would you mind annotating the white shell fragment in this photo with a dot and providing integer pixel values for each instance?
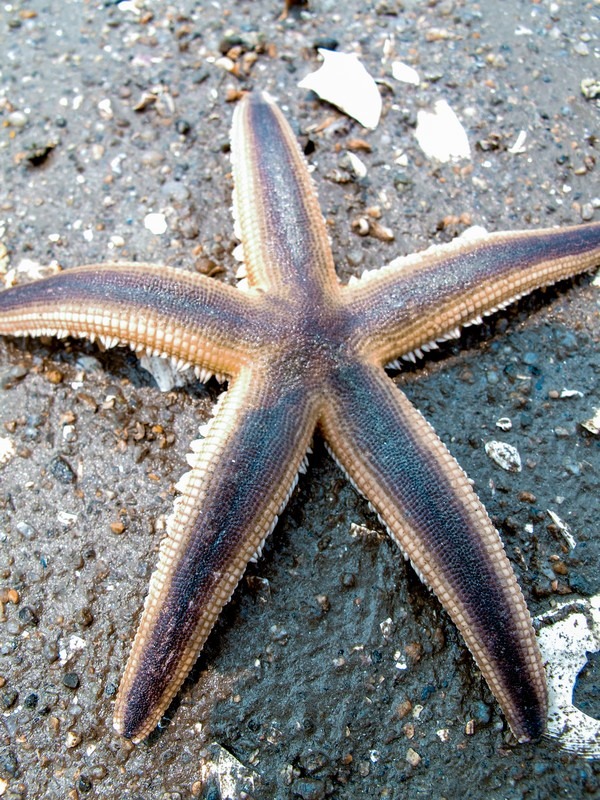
(567, 634)
(440, 134)
(504, 455)
(593, 423)
(504, 423)
(155, 223)
(563, 528)
(7, 449)
(405, 73)
(164, 372)
(343, 81)
(223, 771)
(519, 146)
(4, 259)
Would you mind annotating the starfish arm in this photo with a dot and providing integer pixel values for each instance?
(161, 310)
(426, 502)
(242, 476)
(421, 299)
(285, 242)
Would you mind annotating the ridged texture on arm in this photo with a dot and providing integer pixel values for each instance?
(285, 241)
(424, 297)
(164, 311)
(241, 477)
(428, 506)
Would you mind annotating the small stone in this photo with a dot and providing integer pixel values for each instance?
(84, 784)
(404, 709)
(8, 698)
(10, 377)
(117, 527)
(31, 700)
(17, 119)
(413, 758)
(9, 763)
(587, 212)
(28, 616)
(72, 739)
(26, 530)
(62, 471)
(482, 713)
(50, 652)
(55, 376)
(71, 680)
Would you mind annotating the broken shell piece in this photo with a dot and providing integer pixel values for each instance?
(563, 528)
(147, 99)
(164, 372)
(7, 449)
(403, 72)
(593, 423)
(504, 423)
(357, 166)
(223, 772)
(4, 259)
(567, 634)
(343, 81)
(440, 134)
(504, 455)
(519, 146)
(590, 88)
(156, 223)
(364, 226)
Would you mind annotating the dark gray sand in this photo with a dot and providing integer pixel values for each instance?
(298, 681)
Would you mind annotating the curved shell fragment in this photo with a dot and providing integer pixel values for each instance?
(343, 81)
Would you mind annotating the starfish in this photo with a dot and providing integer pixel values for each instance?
(304, 354)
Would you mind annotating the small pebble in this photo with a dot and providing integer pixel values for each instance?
(62, 471)
(17, 119)
(84, 784)
(8, 698)
(10, 377)
(482, 712)
(71, 680)
(9, 763)
(72, 739)
(28, 616)
(26, 530)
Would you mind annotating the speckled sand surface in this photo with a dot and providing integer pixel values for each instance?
(298, 681)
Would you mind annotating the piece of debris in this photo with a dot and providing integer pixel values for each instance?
(7, 449)
(156, 223)
(504, 423)
(228, 777)
(405, 73)
(566, 635)
(519, 145)
(563, 529)
(593, 423)
(164, 371)
(440, 134)
(36, 154)
(590, 88)
(504, 455)
(343, 81)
